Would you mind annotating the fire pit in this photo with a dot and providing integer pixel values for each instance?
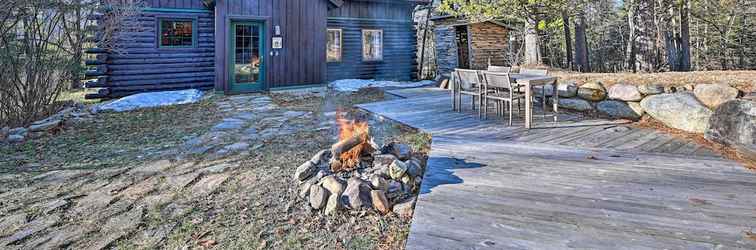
(356, 173)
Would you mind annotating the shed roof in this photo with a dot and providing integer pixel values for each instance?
(338, 3)
(468, 22)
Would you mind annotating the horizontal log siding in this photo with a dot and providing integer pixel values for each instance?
(399, 40)
(399, 51)
(175, 4)
(145, 67)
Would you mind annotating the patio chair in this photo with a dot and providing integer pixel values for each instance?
(468, 83)
(498, 87)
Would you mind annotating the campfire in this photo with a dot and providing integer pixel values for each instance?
(354, 143)
(356, 173)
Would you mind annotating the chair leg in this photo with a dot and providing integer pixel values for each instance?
(510, 112)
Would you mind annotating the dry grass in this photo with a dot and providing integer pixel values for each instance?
(742, 80)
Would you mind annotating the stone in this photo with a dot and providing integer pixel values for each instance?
(380, 202)
(624, 92)
(637, 108)
(228, 124)
(413, 169)
(357, 194)
(237, 147)
(679, 110)
(401, 151)
(333, 184)
(44, 126)
(713, 95)
(15, 138)
(593, 91)
(383, 160)
(575, 104)
(405, 208)
(394, 189)
(306, 170)
(304, 188)
(4, 132)
(321, 157)
(567, 89)
(617, 109)
(651, 89)
(379, 183)
(18, 131)
(333, 205)
(734, 123)
(318, 196)
(397, 169)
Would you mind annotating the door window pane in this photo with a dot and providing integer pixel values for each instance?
(176, 33)
(246, 53)
(372, 45)
(334, 45)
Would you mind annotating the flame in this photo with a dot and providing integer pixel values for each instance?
(347, 129)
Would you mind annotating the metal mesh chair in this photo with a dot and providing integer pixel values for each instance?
(499, 88)
(468, 83)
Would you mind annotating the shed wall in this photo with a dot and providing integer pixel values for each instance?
(488, 41)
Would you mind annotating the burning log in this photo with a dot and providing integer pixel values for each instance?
(344, 146)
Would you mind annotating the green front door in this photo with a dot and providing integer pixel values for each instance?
(247, 67)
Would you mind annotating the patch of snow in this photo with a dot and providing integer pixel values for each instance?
(151, 100)
(353, 85)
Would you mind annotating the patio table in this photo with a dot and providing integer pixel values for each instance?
(529, 81)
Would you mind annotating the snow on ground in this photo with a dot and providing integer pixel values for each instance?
(152, 99)
(353, 85)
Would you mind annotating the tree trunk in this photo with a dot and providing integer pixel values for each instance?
(532, 51)
(684, 36)
(581, 45)
(645, 44)
(630, 50)
(567, 38)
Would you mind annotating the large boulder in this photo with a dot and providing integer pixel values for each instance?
(651, 89)
(734, 123)
(712, 95)
(575, 104)
(624, 92)
(565, 89)
(592, 91)
(679, 110)
(617, 109)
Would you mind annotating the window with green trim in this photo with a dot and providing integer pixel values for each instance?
(177, 33)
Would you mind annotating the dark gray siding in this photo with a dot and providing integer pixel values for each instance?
(145, 67)
(399, 40)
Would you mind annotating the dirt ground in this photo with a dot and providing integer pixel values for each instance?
(742, 80)
(141, 180)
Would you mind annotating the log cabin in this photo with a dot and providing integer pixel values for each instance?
(238, 46)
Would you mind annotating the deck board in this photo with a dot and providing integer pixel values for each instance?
(575, 184)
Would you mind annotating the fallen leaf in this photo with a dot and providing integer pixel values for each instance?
(751, 235)
(697, 201)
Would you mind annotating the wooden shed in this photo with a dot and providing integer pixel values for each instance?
(462, 44)
(241, 46)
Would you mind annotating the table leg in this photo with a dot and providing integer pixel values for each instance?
(556, 102)
(528, 106)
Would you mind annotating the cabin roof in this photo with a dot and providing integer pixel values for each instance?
(339, 3)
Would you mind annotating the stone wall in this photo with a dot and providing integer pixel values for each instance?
(718, 111)
(489, 41)
(446, 50)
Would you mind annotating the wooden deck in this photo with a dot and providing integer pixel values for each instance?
(581, 183)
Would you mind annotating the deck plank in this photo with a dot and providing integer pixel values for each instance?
(575, 184)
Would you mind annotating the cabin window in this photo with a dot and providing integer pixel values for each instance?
(177, 33)
(372, 45)
(334, 45)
